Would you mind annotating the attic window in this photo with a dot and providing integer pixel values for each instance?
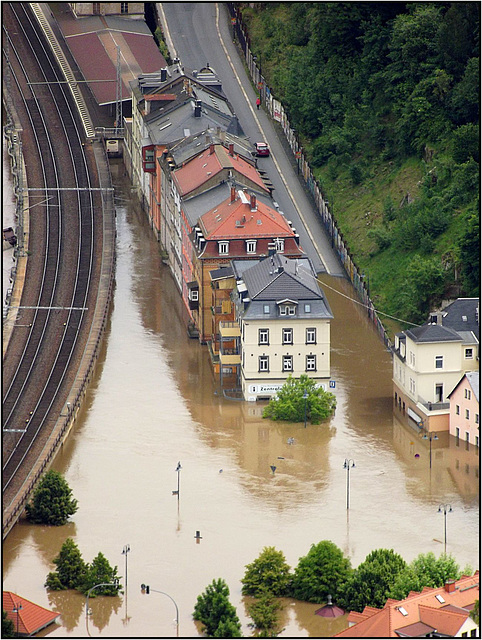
(403, 611)
(464, 318)
(440, 598)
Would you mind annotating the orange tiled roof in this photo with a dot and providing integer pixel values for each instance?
(446, 613)
(235, 219)
(203, 167)
(31, 617)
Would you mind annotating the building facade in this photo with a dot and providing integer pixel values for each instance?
(464, 409)
(429, 360)
(241, 227)
(284, 325)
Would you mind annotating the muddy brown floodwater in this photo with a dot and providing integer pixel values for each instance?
(155, 402)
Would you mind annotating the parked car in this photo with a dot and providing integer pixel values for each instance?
(261, 149)
(9, 236)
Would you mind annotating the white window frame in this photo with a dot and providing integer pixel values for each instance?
(279, 244)
(311, 335)
(307, 308)
(469, 353)
(439, 362)
(193, 295)
(310, 362)
(263, 336)
(287, 367)
(266, 308)
(223, 247)
(263, 364)
(287, 335)
(251, 246)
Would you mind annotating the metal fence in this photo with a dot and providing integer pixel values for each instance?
(278, 113)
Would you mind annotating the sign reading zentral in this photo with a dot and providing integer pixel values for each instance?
(265, 388)
(274, 387)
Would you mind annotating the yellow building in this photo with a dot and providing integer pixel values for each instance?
(430, 360)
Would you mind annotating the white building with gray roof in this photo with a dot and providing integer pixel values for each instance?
(429, 360)
(284, 319)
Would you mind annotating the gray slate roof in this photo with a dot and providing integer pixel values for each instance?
(278, 278)
(433, 333)
(453, 315)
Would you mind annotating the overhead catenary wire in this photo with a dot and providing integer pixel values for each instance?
(361, 304)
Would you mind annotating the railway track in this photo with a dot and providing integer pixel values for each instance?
(61, 284)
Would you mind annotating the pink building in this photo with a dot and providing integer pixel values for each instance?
(464, 409)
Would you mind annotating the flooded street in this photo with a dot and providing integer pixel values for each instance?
(155, 401)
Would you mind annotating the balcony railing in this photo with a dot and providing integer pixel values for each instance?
(229, 330)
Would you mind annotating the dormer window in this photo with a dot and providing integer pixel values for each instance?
(287, 310)
(223, 247)
(279, 244)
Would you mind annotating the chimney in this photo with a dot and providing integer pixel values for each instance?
(253, 202)
(197, 109)
(231, 149)
(163, 75)
(450, 586)
(211, 149)
(233, 194)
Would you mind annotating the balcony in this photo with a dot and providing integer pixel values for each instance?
(229, 357)
(229, 330)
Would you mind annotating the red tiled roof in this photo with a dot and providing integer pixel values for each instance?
(447, 615)
(206, 165)
(31, 617)
(235, 219)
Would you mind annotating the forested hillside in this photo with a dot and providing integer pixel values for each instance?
(385, 98)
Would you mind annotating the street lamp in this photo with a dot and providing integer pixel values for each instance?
(348, 463)
(102, 584)
(17, 608)
(145, 588)
(430, 437)
(445, 508)
(305, 396)
(125, 551)
(178, 469)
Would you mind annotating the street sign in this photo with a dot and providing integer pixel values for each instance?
(233, 21)
(332, 384)
(298, 154)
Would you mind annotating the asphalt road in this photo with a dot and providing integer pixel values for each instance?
(199, 33)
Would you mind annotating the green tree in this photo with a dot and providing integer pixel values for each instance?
(289, 402)
(264, 613)
(475, 613)
(52, 501)
(70, 568)
(8, 629)
(371, 581)
(97, 572)
(269, 572)
(426, 570)
(214, 610)
(322, 572)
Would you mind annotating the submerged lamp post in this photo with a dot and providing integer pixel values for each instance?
(101, 584)
(125, 551)
(445, 508)
(178, 469)
(430, 437)
(348, 463)
(305, 396)
(145, 588)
